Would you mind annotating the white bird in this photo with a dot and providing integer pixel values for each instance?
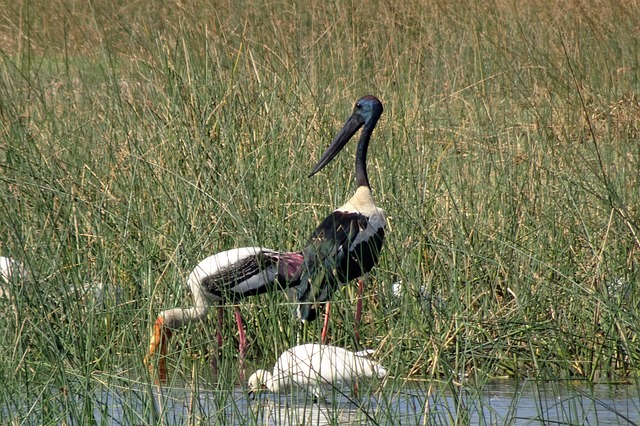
(422, 294)
(315, 367)
(398, 290)
(95, 294)
(228, 276)
(10, 269)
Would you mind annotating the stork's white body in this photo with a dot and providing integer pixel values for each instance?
(210, 267)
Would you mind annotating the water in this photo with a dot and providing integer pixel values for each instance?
(504, 402)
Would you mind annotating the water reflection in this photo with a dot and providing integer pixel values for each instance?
(497, 403)
(284, 410)
(526, 403)
(549, 403)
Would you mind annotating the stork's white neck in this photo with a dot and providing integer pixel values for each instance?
(361, 202)
(178, 317)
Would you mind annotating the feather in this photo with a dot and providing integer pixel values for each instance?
(345, 246)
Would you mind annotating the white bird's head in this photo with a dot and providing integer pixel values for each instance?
(261, 380)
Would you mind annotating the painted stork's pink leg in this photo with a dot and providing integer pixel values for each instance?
(242, 350)
(359, 309)
(325, 326)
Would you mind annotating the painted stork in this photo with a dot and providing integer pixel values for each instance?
(347, 243)
(228, 276)
(314, 367)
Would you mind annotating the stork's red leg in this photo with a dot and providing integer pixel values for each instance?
(243, 340)
(359, 308)
(325, 326)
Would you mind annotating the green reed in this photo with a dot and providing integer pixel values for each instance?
(136, 142)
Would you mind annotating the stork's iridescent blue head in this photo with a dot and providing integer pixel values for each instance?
(366, 112)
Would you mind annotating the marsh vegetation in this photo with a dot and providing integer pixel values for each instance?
(136, 140)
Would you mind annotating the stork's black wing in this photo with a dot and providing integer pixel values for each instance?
(345, 246)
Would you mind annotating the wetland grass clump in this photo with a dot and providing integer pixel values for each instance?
(136, 142)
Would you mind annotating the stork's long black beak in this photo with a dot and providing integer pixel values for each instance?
(348, 130)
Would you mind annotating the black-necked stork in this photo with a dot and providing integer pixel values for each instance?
(347, 243)
(226, 277)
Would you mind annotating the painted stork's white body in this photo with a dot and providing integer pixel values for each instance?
(228, 276)
(315, 368)
(220, 277)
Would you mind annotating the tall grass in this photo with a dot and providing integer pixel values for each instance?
(135, 142)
